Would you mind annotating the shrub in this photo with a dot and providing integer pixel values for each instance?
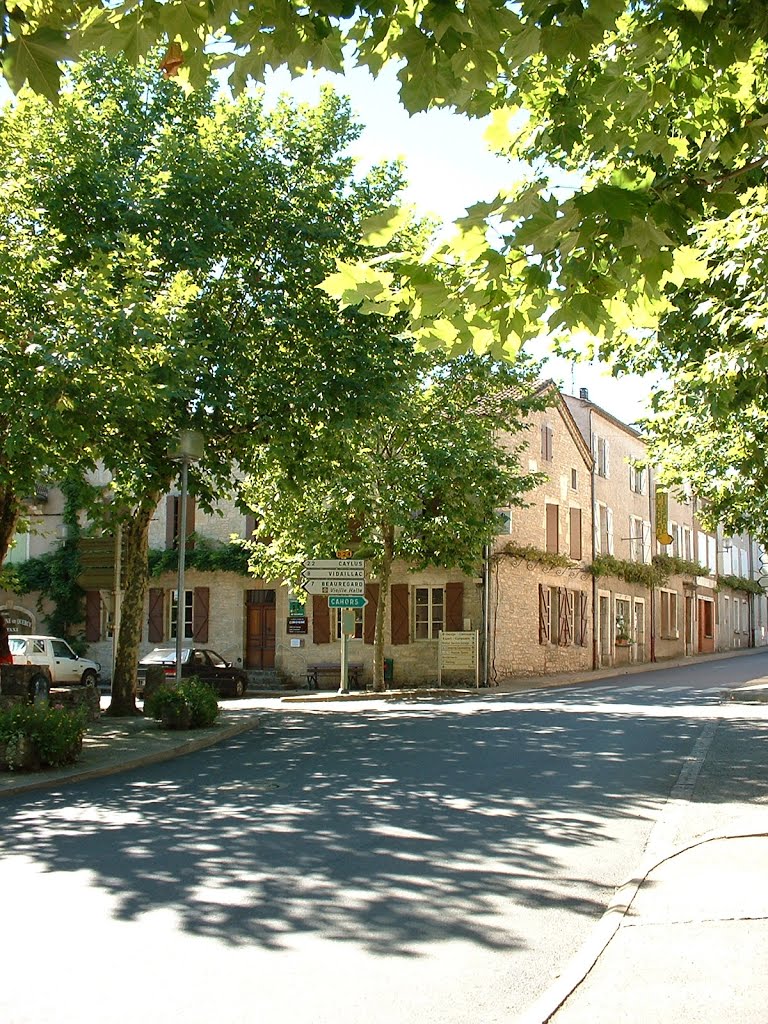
(55, 734)
(194, 694)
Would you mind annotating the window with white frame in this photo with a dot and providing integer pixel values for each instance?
(358, 633)
(601, 455)
(636, 539)
(504, 520)
(19, 549)
(429, 612)
(744, 617)
(604, 530)
(668, 602)
(686, 543)
(188, 633)
(638, 476)
(736, 617)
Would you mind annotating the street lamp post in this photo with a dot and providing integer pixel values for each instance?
(189, 449)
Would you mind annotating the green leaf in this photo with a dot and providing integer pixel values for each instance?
(34, 59)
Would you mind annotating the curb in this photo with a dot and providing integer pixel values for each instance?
(189, 746)
(547, 1005)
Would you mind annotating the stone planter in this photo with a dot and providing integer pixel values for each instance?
(19, 755)
(176, 718)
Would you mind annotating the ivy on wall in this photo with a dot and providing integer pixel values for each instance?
(739, 583)
(205, 556)
(531, 554)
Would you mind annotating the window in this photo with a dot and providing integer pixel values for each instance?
(547, 442)
(62, 650)
(635, 539)
(708, 618)
(562, 616)
(358, 633)
(669, 614)
(623, 630)
(552, 528)
(600, 453)
(604, 530)
(19, 549)
(736, 618)
(188, 604)
(574, 515)
(429, 612)
(504, 522)
(637, 479)
(574, 479)
(173, 521)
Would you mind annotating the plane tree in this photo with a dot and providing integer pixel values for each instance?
(180, 240)
(420, 481)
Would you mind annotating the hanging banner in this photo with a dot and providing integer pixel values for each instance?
(663, 536)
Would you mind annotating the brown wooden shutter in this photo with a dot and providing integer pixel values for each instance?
(399, 615)
(544, 597)
(583, 620)
(454, 607)
(369, 612)
(190, 524)
(201, 603)
(553, 516)
(170, 521)
(92, 616)
(250, 526)
(156, 633)
(575, 530)
(566, 617)
(321, 620)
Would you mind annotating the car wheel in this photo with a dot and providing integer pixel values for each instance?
(239, 688)
(89, 677)
(38, 689)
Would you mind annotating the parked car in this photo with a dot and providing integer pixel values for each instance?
(227, 679)
(65, 667)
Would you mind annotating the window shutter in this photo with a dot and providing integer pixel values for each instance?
(597, 529)
(200, 613)
(583, 620)
(156, 631)
(190, 524)
(544, 441)
(575, 530)
(607, 457)
(609, 525)
(250, 526)
(553, 515)
(399, 615)
(454, 607)
(321, 620)
(170, 521)
(92, 616)
(543, 614)
(566, 616)
(643, 480)
(369, 612)
(646, 541)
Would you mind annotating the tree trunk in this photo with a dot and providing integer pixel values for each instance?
(9, 514)
(135, 574)
(378, 639)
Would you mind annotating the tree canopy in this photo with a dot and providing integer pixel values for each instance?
(420, 481)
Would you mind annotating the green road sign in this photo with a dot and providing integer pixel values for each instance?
(346, 601)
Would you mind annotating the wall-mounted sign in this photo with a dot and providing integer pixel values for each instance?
(18, 620)
(296, 624)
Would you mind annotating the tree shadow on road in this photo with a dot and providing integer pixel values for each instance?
(389, 828)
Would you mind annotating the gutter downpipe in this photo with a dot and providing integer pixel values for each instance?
(595, 660)
(654, 533)
(486, 614)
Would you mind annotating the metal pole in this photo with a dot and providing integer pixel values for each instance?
(181, 604)
(344, 687)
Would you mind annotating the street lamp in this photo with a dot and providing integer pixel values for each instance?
(189, 449)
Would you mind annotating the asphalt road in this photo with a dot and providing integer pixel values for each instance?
(418, 862)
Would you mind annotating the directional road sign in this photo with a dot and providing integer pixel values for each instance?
(334, 563)
(333, 574)
(346, 601)
(334, 586)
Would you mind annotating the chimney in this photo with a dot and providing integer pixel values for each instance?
(584, 394)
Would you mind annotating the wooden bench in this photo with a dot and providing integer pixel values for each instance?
(316, 673)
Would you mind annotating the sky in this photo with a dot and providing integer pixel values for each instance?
(448, 167)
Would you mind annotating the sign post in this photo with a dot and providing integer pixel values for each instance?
(458, 651)
(342, 580)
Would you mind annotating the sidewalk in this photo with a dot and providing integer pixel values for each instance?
(685, 941)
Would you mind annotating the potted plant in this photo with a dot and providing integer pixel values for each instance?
(623, 637)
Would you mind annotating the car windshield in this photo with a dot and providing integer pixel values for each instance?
(163, 655)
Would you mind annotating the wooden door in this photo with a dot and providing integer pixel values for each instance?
(260, 632)
(706, 610)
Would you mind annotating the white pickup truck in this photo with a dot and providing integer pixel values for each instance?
(64, 666)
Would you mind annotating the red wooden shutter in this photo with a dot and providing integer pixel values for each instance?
(575, 540)
(543, 614)
(399, 615)
(155, 633)
(201, 603)
(369, 612)
(92, 616)
(454, 607)
(170, 520)
(321, 620)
